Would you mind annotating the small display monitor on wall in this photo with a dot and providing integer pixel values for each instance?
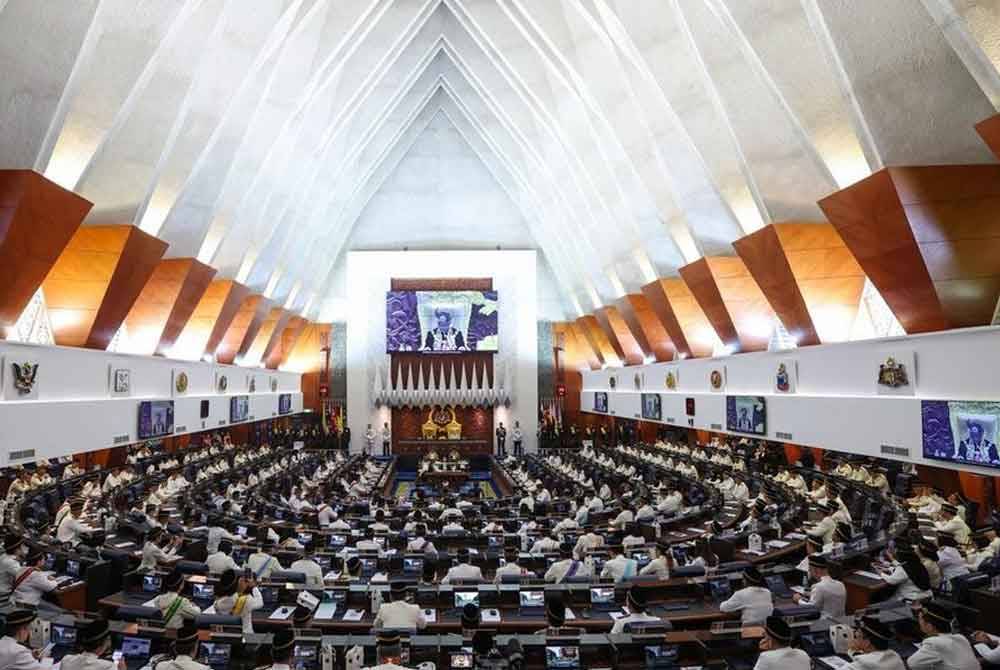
(651, 407)
(156, 418)
(284, 403)
(441, 322)
(239, 408)
(746, 414)
(601, 401)
(961, 431)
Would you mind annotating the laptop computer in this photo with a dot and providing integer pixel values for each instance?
(215, 654)
(337, 541)
(662, 656)
(152, 583)
(562, 657)
(136, 650)
(203, 592)
(413, 567)
(719, 588)
(463, 598)
(602, 598)
(73, 568)
(305, 656)
(532, 602)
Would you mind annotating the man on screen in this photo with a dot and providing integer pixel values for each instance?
(743, 422)
(975, 447)
(444, 337)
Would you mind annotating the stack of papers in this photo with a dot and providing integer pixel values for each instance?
(282, 613)
(491, 616)
(869, 575)
(325, 611)
(431, 615)
(354, 615)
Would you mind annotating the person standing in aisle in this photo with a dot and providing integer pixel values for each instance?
(369, 440)
(501, 440)
(386, 438)
(518, 437)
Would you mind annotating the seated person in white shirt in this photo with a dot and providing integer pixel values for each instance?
(567, 567)
(464, 571)
(512, 568)
(308, 566)
(626, 516)
(869, 647)
(398, 613)
(827, 594)
(420, 544)
(222, 560)
(71, 529)
(660, 564)
(753, 602)
(776, 652)
(546, 544)
(32, 582)
(635, 602)
(619, 567)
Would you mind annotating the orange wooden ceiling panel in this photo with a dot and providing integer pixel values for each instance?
(706, 290)
(152, 310)
(599, 341)
(287, 342)
(617, 329)
(583, 346)
(197, 281)
(307, 355)
(95, 281)
(870, 218)
(212, 316)
(243, 329)
(989, 130)
(656, 294)
(764, 256)
(277, 329)
(38, 219)
(645, 325)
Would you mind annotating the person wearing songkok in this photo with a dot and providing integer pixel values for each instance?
(261, 564)
(95, 641)
(950, 560)
(282, 647)
(546, 545)
(619, 567)
(909, 577)
(635, 602)
(71, 528)
(753, 601)
(238, 596)
(927, 552)
(776, 652)
(398, 613)
(174, 608)
(586, 543)
(469, 620)
(10, 564)
(555, 617)
(310, 568)
(352, 570)
(567, 567)
(953, 524)
(32, 582)
(826, 527)
(301, 618)
(511, 568)
(389, 651)
(222, 560)
(870, 647)
(661, 563)
(464, 571)
(941, 649)
(153, 553)
(14, 652)
(828, 595)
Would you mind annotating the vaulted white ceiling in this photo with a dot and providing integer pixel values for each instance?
(633, 136)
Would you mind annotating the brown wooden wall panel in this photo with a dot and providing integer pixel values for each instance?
(652, 337)
(37, 220)
(243, 329)
(989, 130)
(599, 342)
(407, 424)
(681, 316)
(96, 280)
(765, 259)
(255, 352)
(928, 238)
(656, 294)
(280, 353)
(442, 284)
(732, 301)
(165, 304)
(829, 277)
(307, 357)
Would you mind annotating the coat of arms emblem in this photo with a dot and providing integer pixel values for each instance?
(671, 381)
(253, 385)
(613, 381)
(274, 384)
(223, 382)
(181, 383)
(781, 380)
(637, 380)
(25, 375)
(716, 379)
(892, 374)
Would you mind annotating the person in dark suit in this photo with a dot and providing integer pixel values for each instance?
(501, 440)
(444, 337)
